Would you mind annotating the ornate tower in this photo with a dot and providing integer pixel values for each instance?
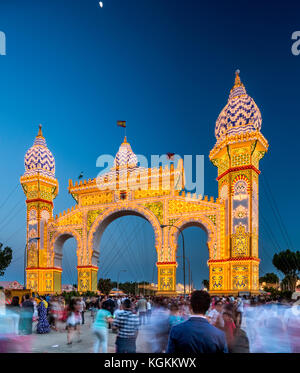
(237, 152)
(40, 187)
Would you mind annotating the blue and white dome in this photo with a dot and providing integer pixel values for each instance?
(125, 156)
(39, 159)
(240, 115)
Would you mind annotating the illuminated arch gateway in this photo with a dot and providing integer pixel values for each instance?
(157, 195)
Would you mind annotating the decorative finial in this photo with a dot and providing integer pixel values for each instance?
(40, 133)
(125, 140)
(237, 81)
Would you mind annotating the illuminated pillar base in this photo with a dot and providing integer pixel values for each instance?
(166, 279)
(87, 278)
(44, 280)
(234, 276)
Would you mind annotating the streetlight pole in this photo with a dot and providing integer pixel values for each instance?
(25, 257)
(121, 270)
(189, 264)
(183, 252)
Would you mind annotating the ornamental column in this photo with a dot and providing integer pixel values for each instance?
(239, 148)
(40, 188)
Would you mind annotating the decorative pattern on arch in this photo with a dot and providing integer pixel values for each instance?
(112, 214)
(56, 244)
(201, 221)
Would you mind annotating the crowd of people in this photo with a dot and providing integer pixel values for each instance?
(196, 324)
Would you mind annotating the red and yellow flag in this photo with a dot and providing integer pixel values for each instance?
(121, 123)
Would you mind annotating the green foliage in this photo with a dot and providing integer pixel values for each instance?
(90, 294)
(132, 288)
(288, 262)
(289, 282)
(105, 285)
(275, 293)
(69, 295)
(269, 278)
(5, 258)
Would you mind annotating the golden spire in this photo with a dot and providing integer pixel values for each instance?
(40, 133)
(125, 140)
(237, 82)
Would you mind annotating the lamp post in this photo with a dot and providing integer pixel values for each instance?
(183, 252)
(121, 270)
(189, 264)
(25, 256)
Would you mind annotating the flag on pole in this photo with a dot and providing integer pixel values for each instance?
(171, 156)
(121, 123)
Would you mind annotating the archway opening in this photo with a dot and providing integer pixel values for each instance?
(126, 245)
(65, 248)
(197, 255)
(69, 262)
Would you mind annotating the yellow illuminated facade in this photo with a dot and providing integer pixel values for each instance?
(157, 195)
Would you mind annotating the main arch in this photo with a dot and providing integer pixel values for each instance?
(157, 195)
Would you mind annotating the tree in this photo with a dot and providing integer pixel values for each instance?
(269, 278)
(105, 285)
(205, 283)
(288, 262)
(5, 258)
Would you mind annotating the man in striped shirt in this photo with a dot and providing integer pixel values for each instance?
(127, 324)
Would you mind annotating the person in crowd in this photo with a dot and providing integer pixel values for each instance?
(127, 324)
(43, 326)
(110, 306)
(149, 310)
(142, 309)
(26, 316)
(215, 315)
(103, 317)
(159, 327)
(197, 335)
(87, 303)
(35, 310)
(229, 328)
(240, 343)
(74, 320)
(94, 307)
(82, 308)
(175, 317)
(239, 311)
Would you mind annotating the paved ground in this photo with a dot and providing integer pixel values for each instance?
(56, 342)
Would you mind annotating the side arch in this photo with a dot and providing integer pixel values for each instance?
(109, 215)
(200, 221)
(56, 246)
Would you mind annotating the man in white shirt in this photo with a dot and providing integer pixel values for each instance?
(215, 315)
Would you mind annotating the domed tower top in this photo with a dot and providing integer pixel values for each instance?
(39, 159)
(240, 115)
(125, 156)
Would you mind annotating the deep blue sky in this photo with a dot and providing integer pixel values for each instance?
(166, 66)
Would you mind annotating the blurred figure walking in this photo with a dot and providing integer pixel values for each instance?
(73, 321)
(103, 317)
(43, 326)
(127, 324)
(26, 316)
(142, 309)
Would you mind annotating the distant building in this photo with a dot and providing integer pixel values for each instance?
(9, 285)
(67, 288)
(116, 291)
